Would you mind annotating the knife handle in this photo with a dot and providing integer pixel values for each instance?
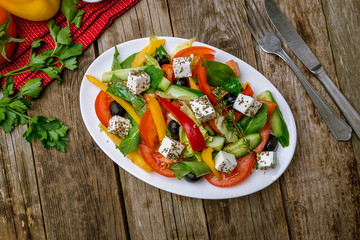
(338, 127)
(351, 115)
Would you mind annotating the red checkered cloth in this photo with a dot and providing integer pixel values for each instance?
(97, 18)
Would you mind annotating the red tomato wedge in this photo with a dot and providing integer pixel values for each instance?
(248, 91)
(234, 66)
(271, 106)
(156, 161)
(168, 72)
(264, 133)
(147, 128)
(241, 171)
(196, 51)
(102, 104)
(11, 31)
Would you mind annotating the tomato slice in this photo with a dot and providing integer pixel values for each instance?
(248, 91)
(102, 104)
(264, 133)
(147, 129)
(168, 72)
(234, 66)
(270, 106)
(156, 161)
(241, 171)
(213, 126)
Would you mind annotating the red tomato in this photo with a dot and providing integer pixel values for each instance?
(264, 133)
(102, 104)
(271, 106)
(241, 171)
(11, 31)
(213, 126)
(156, 161)
(148, 131)
(168, 72)
(234, 66)
(248, 91)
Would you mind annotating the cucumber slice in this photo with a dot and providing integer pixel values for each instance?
(120, 73)
(180, 91)
(163, 84)
(276, 120)
(209, 130)
(239, 148)
(217, 143)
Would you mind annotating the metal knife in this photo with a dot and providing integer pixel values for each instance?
(307, 57)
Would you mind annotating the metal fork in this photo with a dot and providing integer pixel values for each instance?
(270, 43)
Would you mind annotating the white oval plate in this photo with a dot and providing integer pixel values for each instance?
(202, 189)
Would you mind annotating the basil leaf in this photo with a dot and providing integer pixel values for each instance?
(179, 170)
(131, 141)
(118, 89)
(198, 168)
(256, 123)
(116, 64)
(128, 61)
(221, 75)
(155, 76)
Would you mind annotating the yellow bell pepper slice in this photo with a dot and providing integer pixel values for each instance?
(182, 46)
(134, 156)
(33, 10)
(127, 106)
(207, 158)
(149, 49)
(193, 84)
(157, 115)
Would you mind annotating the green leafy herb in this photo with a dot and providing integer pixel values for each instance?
(116, 64)
(13, 109)
(4, 38)
(221, 75)
(256, 123)
(131, 142)
(161, 52)
(155, 75)
(128, 61)
(70, 11)
(179, 170)
(119, 89)
(198, 167)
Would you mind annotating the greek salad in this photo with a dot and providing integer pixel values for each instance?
(182, 114)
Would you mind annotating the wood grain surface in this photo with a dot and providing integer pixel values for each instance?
(82, 194)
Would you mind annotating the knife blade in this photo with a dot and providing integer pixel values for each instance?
(307, 57)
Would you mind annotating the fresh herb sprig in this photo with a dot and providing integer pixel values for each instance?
(13, 107)
(231, 123)
(71, 12)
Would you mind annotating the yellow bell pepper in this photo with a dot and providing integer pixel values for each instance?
(157, 115)
(134, 156)
(34, 10)
(149, 49)
(193, 84)
(127, 106)
(207, 158)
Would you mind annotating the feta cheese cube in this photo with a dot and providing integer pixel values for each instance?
(138, 81)
(182, 67)
(266, 160)
(119, 126)
(225, 162)
(203, 109)
(247, 105)
(170, 148)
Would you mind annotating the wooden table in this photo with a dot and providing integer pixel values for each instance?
(82, 194)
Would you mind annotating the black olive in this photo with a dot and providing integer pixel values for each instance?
(163, 60)
(116, 109)
(174, 127)
(190, 177)
(271, 143)
(181, 82)
(229, 99)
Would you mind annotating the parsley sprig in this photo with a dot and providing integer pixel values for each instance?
(13, 107)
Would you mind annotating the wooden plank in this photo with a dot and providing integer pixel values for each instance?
(321, 186)
(152, 213)
(343, 23)
(79, 190)
(20, 209)
(218, 23)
